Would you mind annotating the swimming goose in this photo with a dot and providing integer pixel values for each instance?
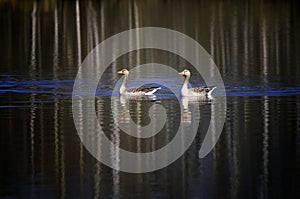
(134, 91)
(194, 92)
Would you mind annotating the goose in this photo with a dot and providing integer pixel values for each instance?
(194, 92)
(134, 91)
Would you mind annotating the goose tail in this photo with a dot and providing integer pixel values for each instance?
(210, 92)
(153, 91)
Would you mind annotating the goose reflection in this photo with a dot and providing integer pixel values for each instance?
(146, 109)
(125, 102)
(186, 116)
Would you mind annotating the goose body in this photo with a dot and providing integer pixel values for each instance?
(134, 91)
(194, 92)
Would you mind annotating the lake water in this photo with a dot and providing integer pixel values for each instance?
(255, 46)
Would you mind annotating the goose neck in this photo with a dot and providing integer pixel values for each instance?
(123, 86)
(186, 81)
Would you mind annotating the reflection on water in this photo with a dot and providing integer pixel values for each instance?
(255, 46)
(244, 155)
(157, 116)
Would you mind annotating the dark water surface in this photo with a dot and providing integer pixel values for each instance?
(255, 46)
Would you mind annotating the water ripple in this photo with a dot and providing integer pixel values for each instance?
(64, 87)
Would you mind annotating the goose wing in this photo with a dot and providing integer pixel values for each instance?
(137, 90)
(143, 91)
(201, 89)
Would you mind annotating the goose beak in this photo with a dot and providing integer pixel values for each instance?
(181, 73)
(120, 72)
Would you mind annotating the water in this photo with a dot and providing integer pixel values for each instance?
(255, 46)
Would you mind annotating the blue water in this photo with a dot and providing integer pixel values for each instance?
(10, 84)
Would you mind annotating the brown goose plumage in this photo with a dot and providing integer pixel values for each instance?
(134, 91)
(194, 92)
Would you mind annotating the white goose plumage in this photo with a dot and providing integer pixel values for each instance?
(194, 92)
(134, 91)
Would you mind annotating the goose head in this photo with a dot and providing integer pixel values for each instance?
(123, 72)
(185, 73)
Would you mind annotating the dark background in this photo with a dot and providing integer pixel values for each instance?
(255, 45)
